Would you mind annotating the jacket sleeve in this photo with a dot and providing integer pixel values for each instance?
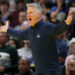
(18, 33)
(60, 28)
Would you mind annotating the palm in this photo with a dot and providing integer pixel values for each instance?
(4, 27)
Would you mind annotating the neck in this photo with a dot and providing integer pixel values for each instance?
(26, 46)
(36, 22)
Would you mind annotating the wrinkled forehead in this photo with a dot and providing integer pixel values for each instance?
(72, 9)
(31, 8)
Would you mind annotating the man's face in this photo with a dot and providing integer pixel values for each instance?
(32, 16)
(3, 38)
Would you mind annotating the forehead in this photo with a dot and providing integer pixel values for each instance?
(72, 9)
(23, 61)
(31, 8)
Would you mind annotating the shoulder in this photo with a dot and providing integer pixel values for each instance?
(50, 25)
(69, 57)
(20, 49)
(11, 47)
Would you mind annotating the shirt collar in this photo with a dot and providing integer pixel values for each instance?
(38, 24)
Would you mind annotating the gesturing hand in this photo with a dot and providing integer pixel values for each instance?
(3, 28)
(69, 19)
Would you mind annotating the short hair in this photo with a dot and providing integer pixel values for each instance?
(37, 6)
(4, 3)
(19, 1)
(72, 41)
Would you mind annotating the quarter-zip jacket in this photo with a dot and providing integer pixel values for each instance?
(43, 44)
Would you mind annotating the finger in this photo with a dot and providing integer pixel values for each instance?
(70, 17)
(7, 23)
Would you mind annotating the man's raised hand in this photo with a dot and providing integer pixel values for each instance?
(3, 28)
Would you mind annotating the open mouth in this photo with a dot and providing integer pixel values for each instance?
(30, 19)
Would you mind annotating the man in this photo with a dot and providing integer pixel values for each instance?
(42, 40)
(24, 67)
(8, 56)
(72, 28)
(22, 18)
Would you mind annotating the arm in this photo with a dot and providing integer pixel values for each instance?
(64, 26)
(58, 8)
(18, 33)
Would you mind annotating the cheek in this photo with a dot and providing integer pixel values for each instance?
(73, 49)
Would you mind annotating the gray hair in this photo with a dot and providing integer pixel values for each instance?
(71, 42)
(37, 6)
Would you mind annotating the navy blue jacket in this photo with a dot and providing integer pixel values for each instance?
(43, 44)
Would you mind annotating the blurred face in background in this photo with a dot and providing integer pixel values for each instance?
(12, 42)
(22, 17)
(72, 12)
(3, 38)
(23, 66)
(73, 48)
(20, 5)
(4, 8)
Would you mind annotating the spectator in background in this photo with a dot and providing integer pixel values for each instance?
(70, 60)
(20, 4)
(22, 18)
(46, 5)
(56, 10)
(5, 14)
(12, 5)
(25, 51)
(24, 67)
(72, 28)
(14, 43)
(8, 56)
(69, 3)
(62, 47)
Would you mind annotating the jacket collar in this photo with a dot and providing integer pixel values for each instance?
(38, 24)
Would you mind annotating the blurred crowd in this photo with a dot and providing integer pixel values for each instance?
(20, 61)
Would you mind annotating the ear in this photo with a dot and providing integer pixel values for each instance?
(39, 15)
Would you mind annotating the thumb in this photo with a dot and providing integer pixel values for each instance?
(7, 23)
